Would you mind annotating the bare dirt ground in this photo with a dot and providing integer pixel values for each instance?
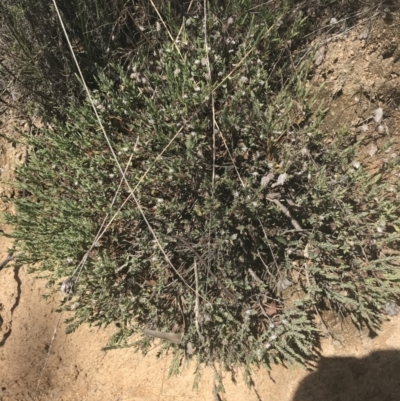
(360, 71)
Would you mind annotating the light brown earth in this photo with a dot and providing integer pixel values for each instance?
(39, 361)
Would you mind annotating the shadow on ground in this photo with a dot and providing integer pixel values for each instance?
(373, 378)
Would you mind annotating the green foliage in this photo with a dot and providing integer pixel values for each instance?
(242, 188)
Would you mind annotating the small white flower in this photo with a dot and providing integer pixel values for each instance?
(193, 133)
(236, 194)
(244, 80)
(177, 71)
(273, 337)
(271, 325)
(233, 237)
(76, 183)
(197, 88)
(160, 200)
(267, 345)
(111, 175)
(184, 96)
(125, 149)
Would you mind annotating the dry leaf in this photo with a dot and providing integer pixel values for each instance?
(377, 114)
(266, 180)
(364, 34)
(319, 56)
(281, 180)
(373, 150)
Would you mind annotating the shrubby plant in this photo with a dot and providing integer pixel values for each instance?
(264, 219)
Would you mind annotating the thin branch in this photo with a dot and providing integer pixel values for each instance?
(286, 212)
(165, 26)
(47, 357)
(153, 233)
(175, 338)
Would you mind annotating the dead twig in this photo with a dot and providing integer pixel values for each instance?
(9, 258)
(286, 212)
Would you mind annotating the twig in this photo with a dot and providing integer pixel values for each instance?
(196, 308)
(254, 275)
(153, 233)
(4, 263)
(175, 338)
(47, 357)
(272, 252)
(230, 155)
(286, 212)
(214, 122)
(202, 261)
(165, 26)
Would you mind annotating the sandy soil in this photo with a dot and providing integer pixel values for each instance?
(361, 72)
